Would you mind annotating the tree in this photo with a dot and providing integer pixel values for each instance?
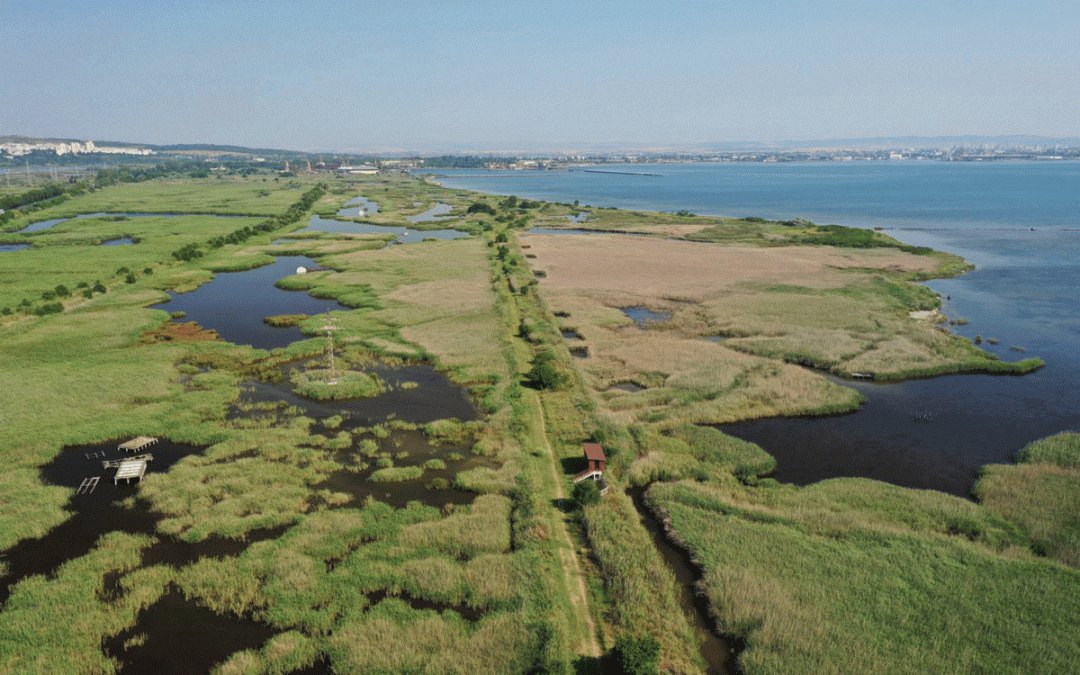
(544, 374)
(481, 207)
(586, 493)
(638, 655)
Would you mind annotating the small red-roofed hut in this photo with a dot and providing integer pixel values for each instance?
(594, 457)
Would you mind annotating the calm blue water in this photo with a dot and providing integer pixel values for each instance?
(234, 304)
(1018, 222)
(403, 235)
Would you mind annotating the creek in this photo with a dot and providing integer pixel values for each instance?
(46, 224)
(719, 653)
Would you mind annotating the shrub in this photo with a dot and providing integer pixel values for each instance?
(480, 207)
(62, 291)
(586, 493)
(130, 278)
(638, 656)
(49, 308)
(545, 375)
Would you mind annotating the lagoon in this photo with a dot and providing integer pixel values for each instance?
(1018, 222)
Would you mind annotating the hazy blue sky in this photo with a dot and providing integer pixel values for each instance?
(329, 74)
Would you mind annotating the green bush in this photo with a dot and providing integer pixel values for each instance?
(638, 656)
(586, 493)
(544, 373)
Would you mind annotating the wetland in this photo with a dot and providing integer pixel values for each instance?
(288, 529)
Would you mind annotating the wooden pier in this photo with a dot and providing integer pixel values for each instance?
(128, 469)
(114, 463)
(88, 485)
(137, 443)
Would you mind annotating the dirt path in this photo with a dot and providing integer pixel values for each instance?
(575, 580)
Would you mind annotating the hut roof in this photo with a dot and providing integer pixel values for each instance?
(594, 451)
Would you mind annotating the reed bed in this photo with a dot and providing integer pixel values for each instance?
(642, 591)
(55, 626)
(326, 570)
(253, 195)
(1041, 494)
(814, 587)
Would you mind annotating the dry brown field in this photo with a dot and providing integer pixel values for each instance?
(762, 307)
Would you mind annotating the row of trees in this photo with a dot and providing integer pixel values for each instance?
(291, 216)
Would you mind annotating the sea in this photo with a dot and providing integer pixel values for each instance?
(1017, 222)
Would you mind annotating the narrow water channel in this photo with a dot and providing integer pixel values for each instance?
(719, 653)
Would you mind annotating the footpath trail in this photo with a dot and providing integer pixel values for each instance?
(575, 579)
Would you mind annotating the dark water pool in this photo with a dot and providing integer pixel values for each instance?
(93, 513)
(932, 434)
(433, 397)
(177, 636)
(643, 317)
(234, 304)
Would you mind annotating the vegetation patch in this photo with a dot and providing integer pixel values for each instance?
(321, 385)
(854, 576)
(171, 331)
(1041, 494)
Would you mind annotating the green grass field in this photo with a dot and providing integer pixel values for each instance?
(845, 576)
(861, 580)
(1041, 494)
(348, 584)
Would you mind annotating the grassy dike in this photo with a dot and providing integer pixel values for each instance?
(475, 588)
(634, 594)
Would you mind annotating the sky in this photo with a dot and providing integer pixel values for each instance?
(350, 76)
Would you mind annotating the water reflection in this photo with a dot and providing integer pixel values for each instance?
(358, 207)
(402, 235)
(931, 434)
(432, 214)
(643, 317)
(234, 304)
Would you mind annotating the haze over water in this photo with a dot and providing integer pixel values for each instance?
(1018, 222)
